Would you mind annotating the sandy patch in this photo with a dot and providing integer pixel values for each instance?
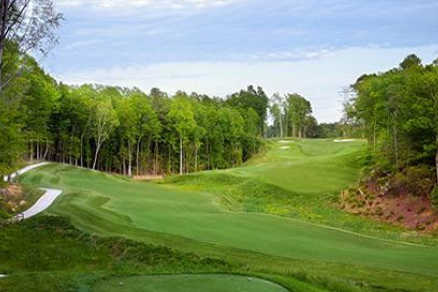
(148, 177)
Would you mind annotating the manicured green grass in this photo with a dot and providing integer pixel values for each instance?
(191, 217)
(184, 283)
(306, 166)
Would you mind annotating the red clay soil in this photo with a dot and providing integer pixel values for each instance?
(399, 208)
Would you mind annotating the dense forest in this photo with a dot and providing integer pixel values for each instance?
(125, 130)
(397, 111)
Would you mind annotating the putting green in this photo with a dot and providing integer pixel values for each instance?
(110, 205)
(184, 283)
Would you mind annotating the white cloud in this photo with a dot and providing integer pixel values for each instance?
(320, 79)
(81, 44)
(132, 4)
(297, 54)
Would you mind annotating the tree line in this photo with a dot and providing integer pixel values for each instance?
(126, 130)
(397, 111)
(292, 117)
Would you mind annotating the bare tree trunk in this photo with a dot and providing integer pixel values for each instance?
(180, 155)
(123, 166)
(47, 149)
(31, 150)
(82, 151)
(286, 125)
(96, 154)
(130, 160)
(137, 156)
(281, 127)
(38, 148)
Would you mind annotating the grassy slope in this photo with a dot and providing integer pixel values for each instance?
(197, 221)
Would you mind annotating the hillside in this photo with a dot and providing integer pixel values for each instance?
(277, 215)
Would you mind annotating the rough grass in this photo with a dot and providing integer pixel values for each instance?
(238, 227)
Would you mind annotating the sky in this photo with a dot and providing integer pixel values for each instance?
(315, 48)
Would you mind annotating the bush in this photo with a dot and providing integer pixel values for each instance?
(434, 197)
(3, 209)
(415, 180)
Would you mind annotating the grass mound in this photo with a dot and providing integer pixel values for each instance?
(241, 193)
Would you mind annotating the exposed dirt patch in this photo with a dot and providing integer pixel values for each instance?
(15, 198)
(384, 200)
(11, 198)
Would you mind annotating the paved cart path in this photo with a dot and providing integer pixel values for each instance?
(44, 202)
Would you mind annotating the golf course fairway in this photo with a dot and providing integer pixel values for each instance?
(191, 218)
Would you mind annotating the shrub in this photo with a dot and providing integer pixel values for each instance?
(420, 180)
(415, 180)
(3, 209)
(434, 197)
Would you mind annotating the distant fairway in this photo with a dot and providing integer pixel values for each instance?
(307, 166)
(197, 221)
(184, 283)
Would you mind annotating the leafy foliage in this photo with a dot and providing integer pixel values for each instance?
(434, 197)
(398, 112)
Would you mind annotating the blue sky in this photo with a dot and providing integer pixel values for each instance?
(315, 48)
